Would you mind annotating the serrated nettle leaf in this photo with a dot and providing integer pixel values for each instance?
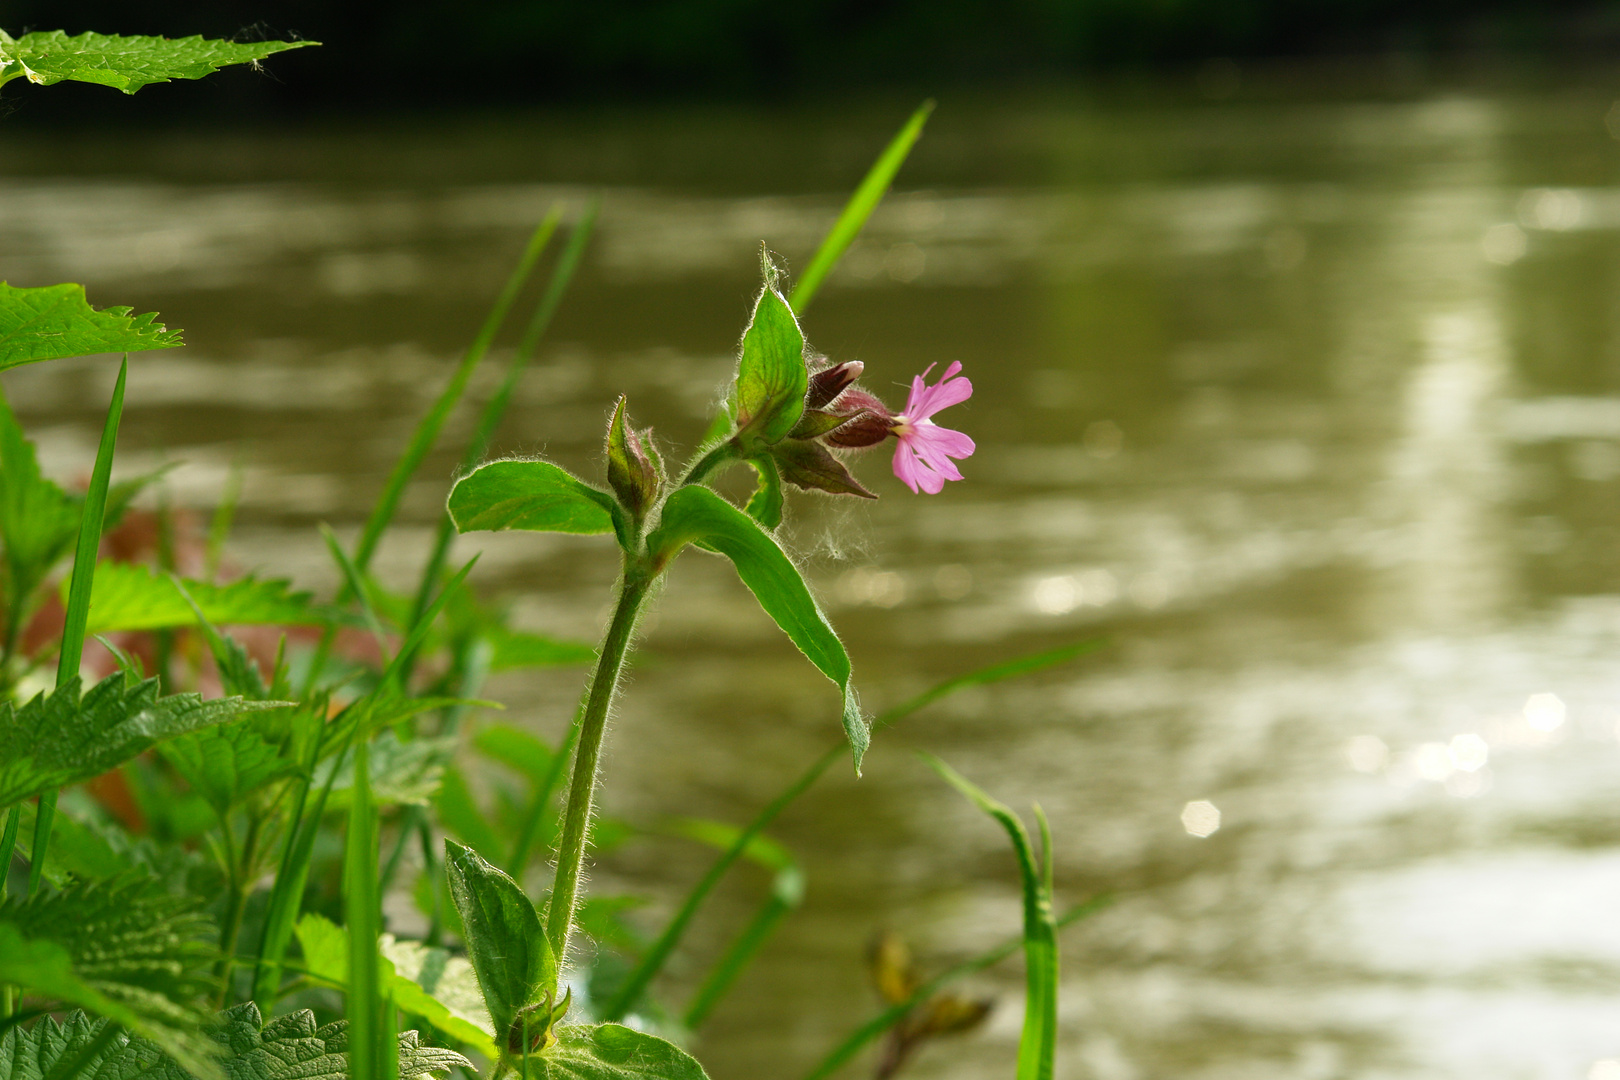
(510, 954)
(56, 321)
(225, 764)
(125, 63)
(325, 946)
(449, 979)
(809, 466)
(124, 949)
(290, 1047)
(697, 515)
(59, 739)
(771, 376)
(612, 1052)
(534, 495)
(131, 597)
(632, 473)
(765, 504)
(401, 773)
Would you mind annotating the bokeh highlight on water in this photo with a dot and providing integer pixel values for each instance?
(1311, 408)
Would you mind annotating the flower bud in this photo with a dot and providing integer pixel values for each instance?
(632, 471)
(869, 423)
(829, 382)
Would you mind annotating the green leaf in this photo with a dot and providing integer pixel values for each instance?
(56, 321)
(1037, 1047)
(535, 495)
(326, 956)
(510, 954)
(612, 1052)
(125, 63)
(765, 504)
(225, 764)
(131, 597)
(516, 749)
(59, 739)
(38, 520)
(289, 1047)
(859, 208)
(771, 376)
(450, 981)
(696, 514)
(123, 948)
(401, 773)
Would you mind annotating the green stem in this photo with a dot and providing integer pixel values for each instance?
(241, 885)
(582, 788)
(706, 464)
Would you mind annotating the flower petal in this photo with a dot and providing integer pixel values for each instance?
(932, 440)
(941, 396)
(905, 465)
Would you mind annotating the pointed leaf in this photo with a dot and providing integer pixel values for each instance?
(696, 514)
(401, 773)
(509, 952)
(57, 740)
(534, 495)
(125, 63)
(612, 1052)
(771, 376)
(55, 321)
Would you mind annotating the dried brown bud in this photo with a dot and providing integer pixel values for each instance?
(829, 382)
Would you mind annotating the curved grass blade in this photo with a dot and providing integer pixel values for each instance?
(1037, 1047)
(362, 914)
(427, 432)
(78, 605)
(891, 1016)
(858, 209)
(658, 954)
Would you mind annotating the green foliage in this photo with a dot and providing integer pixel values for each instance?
(289, 1047)
(771, 375)
(696, 514)
(515, 965)
(612, 1052)
(362, 913)
(765, 504)
(226, 763)
(859, 208)
(1037, 1047)
(326, 951)
(130, 597)
(401, 773)
(122, 948)
(124, 63)
(38, 520)
(534, 495)
(56, 321)
(58, 739)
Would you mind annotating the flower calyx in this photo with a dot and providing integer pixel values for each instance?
(533, 1030)
(634, 470)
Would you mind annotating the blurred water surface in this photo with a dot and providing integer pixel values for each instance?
(1311, 407)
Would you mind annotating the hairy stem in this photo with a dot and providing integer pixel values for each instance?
(582, 789)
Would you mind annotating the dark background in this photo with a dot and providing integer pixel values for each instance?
(435, 53)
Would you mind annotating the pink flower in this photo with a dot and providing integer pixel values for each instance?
(923, 458)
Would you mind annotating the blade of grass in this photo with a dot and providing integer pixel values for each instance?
(1037, 1046)
(219, 527)
(427, 431)
(858, 209)
(489, 421)
(362, 914)
(787, 890)
(883, 1021)
(540, 801)
(8, 846)
(78, 605)
(658, 954)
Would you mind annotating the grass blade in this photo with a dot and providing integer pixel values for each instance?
(8, 847)
(540, 800)
(1037, 1046)
(362, 914)
(858, 209)
(427, 431)
(219, 527)
(891, 1016)
(658, 954)
(78, 605)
